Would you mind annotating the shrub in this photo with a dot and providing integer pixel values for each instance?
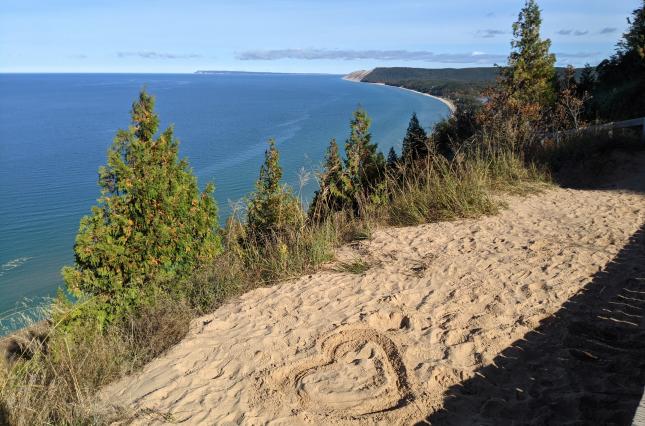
(57, 381)
(151, 222)
(359, 181)
(273, 210)
(364, 165)
(451, 133)
(335, 185)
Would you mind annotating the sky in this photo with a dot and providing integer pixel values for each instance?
(325, 36)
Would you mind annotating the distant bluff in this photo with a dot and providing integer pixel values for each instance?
(357, 75)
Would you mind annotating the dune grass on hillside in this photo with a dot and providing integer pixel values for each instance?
(52, 377)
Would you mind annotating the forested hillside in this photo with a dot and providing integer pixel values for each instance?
(458, 84)
(455, 83)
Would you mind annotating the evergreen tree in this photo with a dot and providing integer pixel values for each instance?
(272, 209)
(392, 159)
(618, 93)
(364, 165)
(450, 133)
(334, 185)
(415, 142)
(634, 39)
(587, 80)
(517, 107)
(151, 222)
(530, 73)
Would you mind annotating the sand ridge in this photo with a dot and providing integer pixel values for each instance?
(440, 302)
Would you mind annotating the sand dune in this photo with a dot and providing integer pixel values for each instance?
(440, 304)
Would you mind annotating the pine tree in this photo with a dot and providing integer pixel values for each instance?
(364, 165)
(415, 142)
(530, 73)
(392, 159)
(272, 209)
(151, 222)
(334, 185)
(587, 80)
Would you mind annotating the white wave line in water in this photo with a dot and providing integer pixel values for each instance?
(13, 264)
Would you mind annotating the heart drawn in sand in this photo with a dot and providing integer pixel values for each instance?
(357, 372)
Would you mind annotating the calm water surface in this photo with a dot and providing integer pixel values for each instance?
(55, 131)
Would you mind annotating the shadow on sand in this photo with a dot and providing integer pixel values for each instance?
(618, 167)
(584, 365)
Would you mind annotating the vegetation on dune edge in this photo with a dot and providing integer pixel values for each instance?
(151, 256)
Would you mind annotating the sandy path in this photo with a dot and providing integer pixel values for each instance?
(441, 302)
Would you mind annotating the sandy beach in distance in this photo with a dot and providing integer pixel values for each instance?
(447, 102)
(464, 322)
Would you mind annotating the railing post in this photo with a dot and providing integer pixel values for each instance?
(643, 130)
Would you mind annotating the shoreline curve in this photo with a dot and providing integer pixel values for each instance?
(451, 106)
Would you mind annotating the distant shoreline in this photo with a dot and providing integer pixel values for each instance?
(445, 101)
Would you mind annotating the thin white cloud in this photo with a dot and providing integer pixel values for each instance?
(577, 58)
(489, 33)
(158, 55)
(572, 32)
(608, 30)
(382, 55)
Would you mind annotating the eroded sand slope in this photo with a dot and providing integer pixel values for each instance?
(440, 302)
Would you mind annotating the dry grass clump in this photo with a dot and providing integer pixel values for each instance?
(52, 378)
(438, 189)
(354, 266)
(249, 263)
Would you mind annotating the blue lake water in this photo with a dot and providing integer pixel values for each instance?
(55, 130)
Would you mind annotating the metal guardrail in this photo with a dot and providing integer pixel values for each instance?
(635, 122)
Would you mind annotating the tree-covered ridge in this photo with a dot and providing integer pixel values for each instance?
(455, 83)
(463, 85)
(462, 75)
